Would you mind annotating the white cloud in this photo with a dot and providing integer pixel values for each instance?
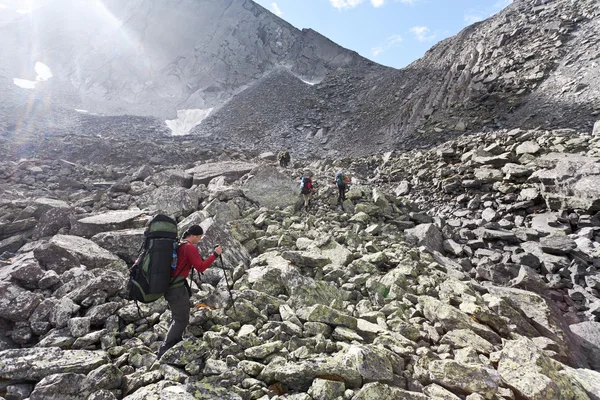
(422, 33)
(480, 13)
(472, 18)
(391, 41)
(276, 9)
(377, 3)
(340, 4)
(502, 4)
(411, 2)
(375, 51)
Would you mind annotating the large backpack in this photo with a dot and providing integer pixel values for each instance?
(150, 275)
(306, 185)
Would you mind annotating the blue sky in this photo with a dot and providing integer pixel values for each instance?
(389, 32)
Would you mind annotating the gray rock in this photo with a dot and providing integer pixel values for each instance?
(125, 243)
(174, 201)
(589, 333)
(17, 304)
(557, 245)
(231, 170)
(109, 221)
(402, 189)
(527, 147)
(12, 244)
(532, 374)
(37, 363)
(589, 381)
(270, 188)
(55, 258)
(427, 235)
(51, 222)
(67, 386)
(467, 378)
(89, 253)
(171, 177)
(377, 390)
(596, 130)
(9, 229)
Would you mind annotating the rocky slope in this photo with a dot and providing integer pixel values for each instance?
(271, 86)
(530, 65)
(468, 271)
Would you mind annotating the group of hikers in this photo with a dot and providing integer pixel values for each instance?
(164, 265)
(307, 188)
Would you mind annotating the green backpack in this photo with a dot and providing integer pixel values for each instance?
(150, 275)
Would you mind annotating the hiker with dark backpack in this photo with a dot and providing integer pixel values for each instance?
(342, 183)
(162, 269)
(179, 292)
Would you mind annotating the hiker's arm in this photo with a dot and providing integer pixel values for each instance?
(197, 262)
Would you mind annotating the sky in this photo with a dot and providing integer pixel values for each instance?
(390, 32)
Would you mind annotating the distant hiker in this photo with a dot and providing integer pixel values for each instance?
(343, 183)
(284, 158)
(178, 294)
(306, 188)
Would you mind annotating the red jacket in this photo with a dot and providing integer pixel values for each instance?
(187, 257)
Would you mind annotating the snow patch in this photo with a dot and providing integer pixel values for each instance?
(186, 120)
(309, 83)
(43, 74)
(24, 83)
(24, 11)
(81, 111)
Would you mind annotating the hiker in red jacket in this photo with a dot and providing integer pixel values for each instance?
(178, 294)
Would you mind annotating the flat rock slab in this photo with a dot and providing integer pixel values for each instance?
(37, 363)
(589, 333)
(109, 221)
(231, 170)
(557, 244)
(12, 228)
(88, 252)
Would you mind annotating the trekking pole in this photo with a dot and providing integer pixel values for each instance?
(227, 282)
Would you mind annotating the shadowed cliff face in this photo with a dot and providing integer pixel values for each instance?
(152, 58)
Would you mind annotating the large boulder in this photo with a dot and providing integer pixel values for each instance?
(548, 321)
(171, 177)
(17, 304)
(37, 363)
(89, 253)
(533, 374)
(234, 253)
(231, 170)
(270, 188)
(125, 244)
(175, 201)
(465, 378)
(589, 333)
(428, 235)
(54, 257)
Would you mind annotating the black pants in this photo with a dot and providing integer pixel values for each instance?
(179, 303)
(341, 193)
